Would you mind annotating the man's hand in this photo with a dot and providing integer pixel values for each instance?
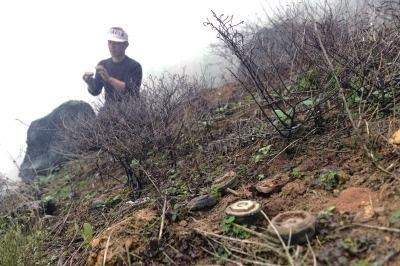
(87, 76)
(103, 73)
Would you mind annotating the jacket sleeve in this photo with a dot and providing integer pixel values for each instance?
(133, 80)
(95, 85)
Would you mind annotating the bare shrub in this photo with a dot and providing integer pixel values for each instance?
(130, 130)
(169, 98)
(13, 194)
(296, 65)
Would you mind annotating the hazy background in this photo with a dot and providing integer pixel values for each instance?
(47, 45)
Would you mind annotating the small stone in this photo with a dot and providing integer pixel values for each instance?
(128, 243)
(95, 242)
(395, 138)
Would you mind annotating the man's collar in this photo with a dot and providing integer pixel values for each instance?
(118, 61)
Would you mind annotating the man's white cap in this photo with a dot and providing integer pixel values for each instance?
(117, 34)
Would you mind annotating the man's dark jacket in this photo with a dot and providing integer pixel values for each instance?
(128, 71)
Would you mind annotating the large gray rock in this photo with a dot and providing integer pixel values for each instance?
(45, 149)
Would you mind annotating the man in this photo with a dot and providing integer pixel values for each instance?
(120, 75)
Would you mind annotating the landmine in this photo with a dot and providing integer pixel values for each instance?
(272, 185)
(294, 225)
(225, 183)
(202, 202)
(245, 211)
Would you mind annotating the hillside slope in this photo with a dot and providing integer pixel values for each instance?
(355, 203)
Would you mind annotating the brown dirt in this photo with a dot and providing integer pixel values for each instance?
(222, 94)
(355, 199)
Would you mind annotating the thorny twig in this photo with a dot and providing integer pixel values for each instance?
(162, 219)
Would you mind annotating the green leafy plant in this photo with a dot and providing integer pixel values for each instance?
(135, 163)
(207, 124)
(309, 102)
(87, 233)
(110, 202)
(361, 263)
(265, 150)
(330, 180)
(353, 99)
(257, 158)
(356, 245)
(177, 212)
(178, 188)
(172, 174)
(328, 212)
(43, 180)
(284, 116)
(260, 177)
(215, 191)
(242, 170)
(308, 81)
(228, 226)
(90, 195)
(222, 109)
(63, 192)
(261, 153)
(295, 173)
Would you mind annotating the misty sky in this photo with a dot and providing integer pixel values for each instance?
(47, 45)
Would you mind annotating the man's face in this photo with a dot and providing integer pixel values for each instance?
(117, 49)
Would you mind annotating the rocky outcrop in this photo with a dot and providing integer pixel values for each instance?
(45, 149)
